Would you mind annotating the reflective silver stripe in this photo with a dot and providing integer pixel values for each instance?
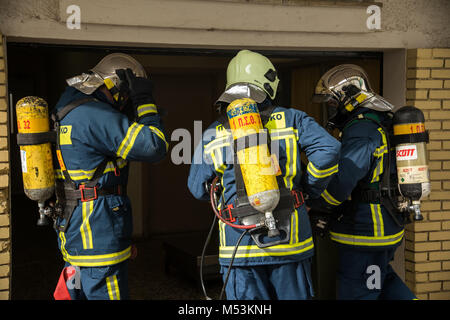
(294, 227)
(378, 225)
(328, 198)
(85, 228)
(146, 108)
(278, 250)
(283, 133)
(380, 151)
(97, 260)
(88, 174)
(128, 141)
(367, 241)
(113, 288)
(378, 170)
(319, 173)
(217, 143)
(290, 171)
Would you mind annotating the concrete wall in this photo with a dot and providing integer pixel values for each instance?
(225, 24)
(5, 242)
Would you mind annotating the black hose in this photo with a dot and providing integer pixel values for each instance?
(231, 263)
(208, 238)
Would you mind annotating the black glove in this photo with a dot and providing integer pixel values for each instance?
(139, 92)
(320, 222)
(320, 217)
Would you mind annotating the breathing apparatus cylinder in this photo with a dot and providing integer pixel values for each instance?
(254, 159)
(36, 158)
(410, 138)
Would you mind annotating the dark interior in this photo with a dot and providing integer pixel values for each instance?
(172, 225)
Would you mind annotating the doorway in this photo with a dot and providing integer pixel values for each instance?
(187, 82)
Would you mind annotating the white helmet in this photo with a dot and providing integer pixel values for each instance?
(345, 88)
(105, 73)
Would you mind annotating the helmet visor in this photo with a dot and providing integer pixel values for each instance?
(321, 98)
(86, 82)
(242, 90)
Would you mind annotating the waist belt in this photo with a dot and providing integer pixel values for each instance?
(371, 195)
(68, 198)
(288, 200)
(84, 193)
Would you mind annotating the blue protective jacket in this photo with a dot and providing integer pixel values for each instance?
(292, 131)
(99, 231)
(363, 225)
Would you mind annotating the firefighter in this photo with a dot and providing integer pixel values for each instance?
(96, 140)
(281, 271)
(366, 232)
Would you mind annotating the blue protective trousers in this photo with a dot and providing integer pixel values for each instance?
(289, 281)
(367, 275)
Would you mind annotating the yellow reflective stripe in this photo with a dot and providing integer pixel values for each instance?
(291, 162)
(130, 144)
(63, 243)
(88, 174)
(329, 198)
(113, 288)
(367, 240)
(146, 108)
(97, 260)
(294, 228)
(349, 107)
(377, 218)
(222, 235)
(215, 162)
(217, 143)
(378, 171)
(253, 251)
(361, 97)
(285, 133)
(379, 153)
(126, 140)
(160, 135)
(85, 228)
(321, 173)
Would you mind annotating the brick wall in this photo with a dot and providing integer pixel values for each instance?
(5, 243)
(428, 242)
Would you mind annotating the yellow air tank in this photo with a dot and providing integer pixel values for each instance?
(37, 165)
(254, 159)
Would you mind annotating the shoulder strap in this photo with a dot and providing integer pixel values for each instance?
(363, 117)
(58, 116)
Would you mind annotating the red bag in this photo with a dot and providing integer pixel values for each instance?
(61, 291)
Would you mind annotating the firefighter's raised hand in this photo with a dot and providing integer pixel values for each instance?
(140, 89)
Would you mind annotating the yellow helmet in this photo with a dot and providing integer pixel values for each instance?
(250, 75)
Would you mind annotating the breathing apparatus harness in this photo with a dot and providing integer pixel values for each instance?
(67, 192)
(233, 215)
(385, 191)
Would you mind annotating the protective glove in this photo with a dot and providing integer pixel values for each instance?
(320, 217)
(139, 93)
(320, 222)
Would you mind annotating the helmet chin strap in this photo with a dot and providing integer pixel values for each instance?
(350, 102)
(119, 100)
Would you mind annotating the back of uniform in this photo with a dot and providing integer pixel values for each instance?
(291, 132)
